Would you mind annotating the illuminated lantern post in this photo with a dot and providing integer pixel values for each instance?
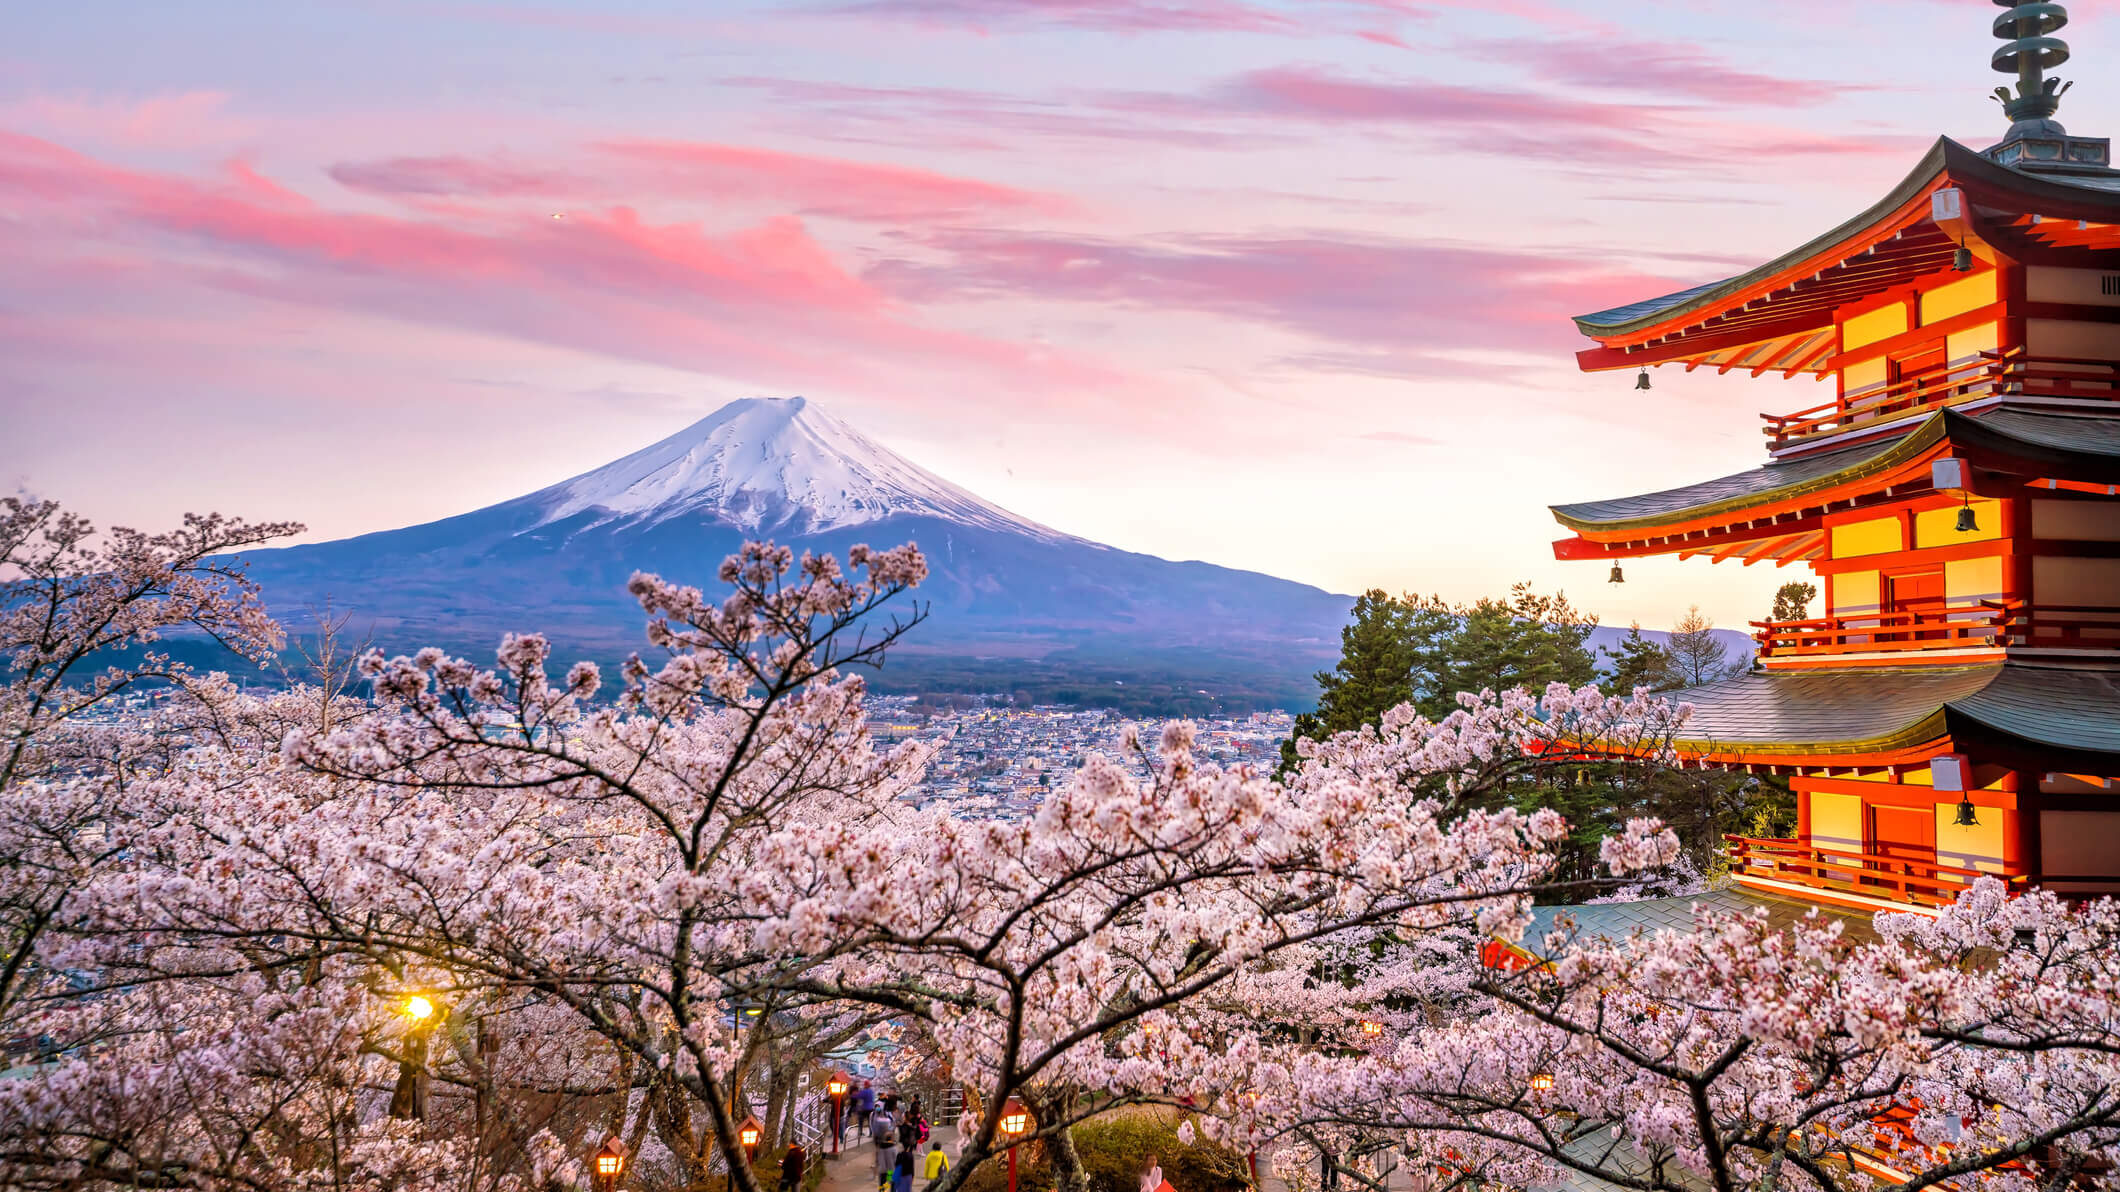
(836, 1088)
(1015, 1123)
(749, 1135)
(409, 1099)
(1372, 1027)
(609, 1164)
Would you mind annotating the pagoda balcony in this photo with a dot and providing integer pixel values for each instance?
(1843, 874)
(2060, 627)
(1964, 627)
(1987, 625)
(1989, 374)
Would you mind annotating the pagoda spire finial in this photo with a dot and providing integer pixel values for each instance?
(2029, 53)
(2035, 140)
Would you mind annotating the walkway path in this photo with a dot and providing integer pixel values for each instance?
(854, 1169)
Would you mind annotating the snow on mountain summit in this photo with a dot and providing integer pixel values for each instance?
(769, 464)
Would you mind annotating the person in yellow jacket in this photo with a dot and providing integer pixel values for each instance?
(937, 1162)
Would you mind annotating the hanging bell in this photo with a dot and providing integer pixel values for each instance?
(1962, 260)
(1642, 381)
(1967, 523)
(1618, 577)
(1965, 817)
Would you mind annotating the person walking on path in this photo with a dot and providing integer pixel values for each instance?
(864, 1105)
(791, 1165)
(902, 1172)
(909, 1134)
(937, 1162)
(884, 1132)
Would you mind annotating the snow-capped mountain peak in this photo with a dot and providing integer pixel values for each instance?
(772, 465)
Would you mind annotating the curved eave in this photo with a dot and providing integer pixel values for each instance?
(2028, 716)
(1701, 301)
(1920, 740)
(1905, 451)
(2011, 442)
(1987, 182)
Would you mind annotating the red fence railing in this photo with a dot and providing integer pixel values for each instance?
(1942, 628)
(1871, 875)
(2010, 372)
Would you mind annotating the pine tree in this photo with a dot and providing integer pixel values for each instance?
(1697, 655)
(1526, 640)
(1374, 674)
(1793, 601)
(1639, 662)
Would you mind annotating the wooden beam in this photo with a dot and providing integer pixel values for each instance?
(1603, 359)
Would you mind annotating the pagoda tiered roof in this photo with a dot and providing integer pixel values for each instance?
(2058, 715)
(1780, 503)
(1779, 316)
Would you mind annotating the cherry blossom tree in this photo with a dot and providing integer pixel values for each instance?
(1977, 1049)
(631, 911)
(721, 845)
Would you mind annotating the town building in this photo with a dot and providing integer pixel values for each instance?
(1953, 709)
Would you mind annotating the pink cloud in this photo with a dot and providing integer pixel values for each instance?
(699, 170)
(453, 176)
(1663, 68)
(825, 185)
(1106, 16)
(1401, 301)
(965, 119)
(1506, 122)
(764, 300)
(180, 119)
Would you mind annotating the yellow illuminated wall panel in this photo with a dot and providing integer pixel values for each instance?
(1971, 341)
(1939, 527)
(1881, 323)
(1968, 581)
(1957, 298)
(1836, 821)
(1855, 592)
(1875, 537)
(1976, 847)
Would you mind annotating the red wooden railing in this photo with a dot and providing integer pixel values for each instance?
(1940, 628)
(2060, 626)
(2011, 372)
(1871, 875)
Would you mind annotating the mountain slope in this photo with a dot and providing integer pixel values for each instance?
(1013, 604)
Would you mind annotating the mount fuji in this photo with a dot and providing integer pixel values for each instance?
(1014, 606)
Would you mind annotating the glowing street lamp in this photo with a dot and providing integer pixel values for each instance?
(610, 1164)
(1015, 1123)
(748, 1136)
(1371, 1027)
(836, 1088)
(1541, 1082)
(409, 1099)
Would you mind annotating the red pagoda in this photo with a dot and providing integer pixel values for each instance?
(1954, 710)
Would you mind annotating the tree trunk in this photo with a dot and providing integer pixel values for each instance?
(1068, 1173)
(776, 1104)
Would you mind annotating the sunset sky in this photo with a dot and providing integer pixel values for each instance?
(1280, 284)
